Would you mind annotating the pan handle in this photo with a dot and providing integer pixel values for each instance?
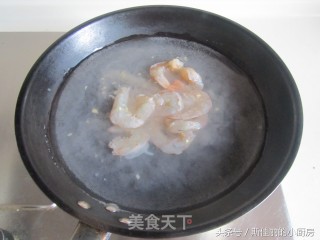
(85, 232)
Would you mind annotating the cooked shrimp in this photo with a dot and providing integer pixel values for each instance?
(168, 103)
(161, 72)
(145, 107)
(172, 143)
(177, 112)
(174, 64)
(180, 126)
(121, 115)
(191, 76)
(116, 129)
(176, 85)
(134, 144)
(196, 102)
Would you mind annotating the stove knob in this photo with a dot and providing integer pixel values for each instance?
(5, 235)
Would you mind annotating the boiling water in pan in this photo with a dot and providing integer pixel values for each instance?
(220, 156)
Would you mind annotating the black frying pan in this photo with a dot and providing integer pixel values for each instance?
(249, 144)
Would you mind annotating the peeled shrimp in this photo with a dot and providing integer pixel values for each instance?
(197, 103)
(130, 146)
(168, 103)
(172, 143)
(169, 118)
(163, 71)
(121, 115)
(180, 126)
(191, 76)
(159, 71)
